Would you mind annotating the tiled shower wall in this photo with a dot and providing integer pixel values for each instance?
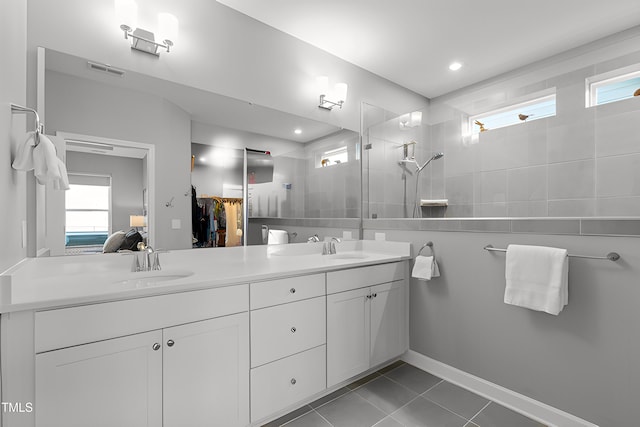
(582, 162)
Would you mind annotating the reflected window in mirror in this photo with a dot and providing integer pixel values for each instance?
(87, 213)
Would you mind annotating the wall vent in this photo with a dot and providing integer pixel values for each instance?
(104, 68)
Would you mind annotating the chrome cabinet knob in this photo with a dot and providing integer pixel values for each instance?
(292, 290)
(155, 346)
(374, 295)
(293, 329)
(293, 381)
(170, 343)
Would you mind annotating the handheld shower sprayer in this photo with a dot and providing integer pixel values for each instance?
(434, 157)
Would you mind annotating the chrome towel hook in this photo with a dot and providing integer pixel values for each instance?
(18, 109)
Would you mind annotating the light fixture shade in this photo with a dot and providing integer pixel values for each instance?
(340, 91)
(167, 27)
(322, 84)
(416, 119)
(137, 221)
(126, 12)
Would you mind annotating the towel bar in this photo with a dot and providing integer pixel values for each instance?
(18, 109)
(430, 246)
(611, 256)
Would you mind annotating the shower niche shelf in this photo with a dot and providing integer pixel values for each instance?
(434, 202)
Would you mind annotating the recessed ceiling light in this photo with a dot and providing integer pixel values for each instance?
(297, 131)
(455, 66)
(202, 159)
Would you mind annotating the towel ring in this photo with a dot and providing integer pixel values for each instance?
(430, 246)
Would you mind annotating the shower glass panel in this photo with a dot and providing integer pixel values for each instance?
(394, 147)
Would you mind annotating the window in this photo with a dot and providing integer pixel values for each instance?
(534, 109)
(610, 87)
(87, 206)
(334, 157)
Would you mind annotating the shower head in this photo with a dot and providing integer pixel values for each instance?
(434, 157)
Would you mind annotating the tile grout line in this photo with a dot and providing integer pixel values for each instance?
(328, 422)
(477, 413)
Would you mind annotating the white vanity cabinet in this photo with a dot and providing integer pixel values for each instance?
(367, 318)
(195, 373)
(288, 337)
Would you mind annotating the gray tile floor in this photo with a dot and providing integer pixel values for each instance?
(403, 395)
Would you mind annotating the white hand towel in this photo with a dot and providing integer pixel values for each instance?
(537, 278)
(24, 156)
(45, 161)
(425, 268)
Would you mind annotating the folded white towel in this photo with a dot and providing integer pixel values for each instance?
(537, 278)
(42, 159)
(425, 268)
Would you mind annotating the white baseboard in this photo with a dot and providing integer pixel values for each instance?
(531, 408)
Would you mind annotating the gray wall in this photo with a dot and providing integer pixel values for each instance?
(126, 182)
(13, 188)
(583, 361)
(81, 106)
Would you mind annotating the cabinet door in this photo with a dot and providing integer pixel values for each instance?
(117, 382)
(206, 373)
(389, 318)
(348, 335)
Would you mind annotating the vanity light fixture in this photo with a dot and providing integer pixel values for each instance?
(339, 93)
(141, 39)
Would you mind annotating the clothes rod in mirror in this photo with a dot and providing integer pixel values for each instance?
(611, 256)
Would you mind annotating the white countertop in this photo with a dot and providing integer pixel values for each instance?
(45, 283)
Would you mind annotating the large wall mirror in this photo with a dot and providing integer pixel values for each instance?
(198, 140)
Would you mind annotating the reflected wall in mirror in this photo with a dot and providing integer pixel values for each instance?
(524, 145)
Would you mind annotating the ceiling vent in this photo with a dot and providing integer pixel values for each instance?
(104, 68)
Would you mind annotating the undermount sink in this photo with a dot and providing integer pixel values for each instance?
(348, 255)
(150, 278)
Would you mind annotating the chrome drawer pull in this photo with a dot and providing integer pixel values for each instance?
(155, 347)
(293, 329)
(292, 290)
(170, 343)
(293, 381)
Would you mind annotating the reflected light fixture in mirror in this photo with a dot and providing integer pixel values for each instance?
(338, 94)
(410, 120)
(126, 12)
(137, 221)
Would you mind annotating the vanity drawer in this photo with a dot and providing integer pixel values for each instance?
(285, 329)
(273, 292)
(95, 322)
(354, 278)
(287, 381)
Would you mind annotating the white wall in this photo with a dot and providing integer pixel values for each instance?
(13, 193)
(81, 106)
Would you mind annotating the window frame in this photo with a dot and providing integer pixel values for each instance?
(97, 181)
(538, 98)
(593, 83)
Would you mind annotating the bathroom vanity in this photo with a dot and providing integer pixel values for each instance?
(229, 339)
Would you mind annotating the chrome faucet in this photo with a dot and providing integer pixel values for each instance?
(332, 245)
(329, 247)
(150, 259)
(313, 239)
